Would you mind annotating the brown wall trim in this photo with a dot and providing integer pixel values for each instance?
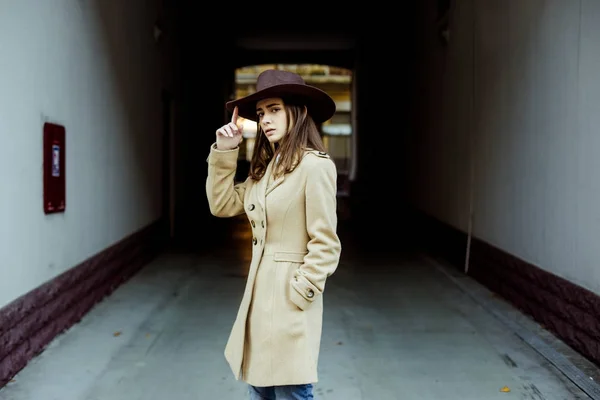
(30, 322)
(570, 312)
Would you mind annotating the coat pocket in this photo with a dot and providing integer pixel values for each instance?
(290, 256)
(288, 263)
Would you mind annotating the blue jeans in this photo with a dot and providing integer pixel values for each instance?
(289, 392)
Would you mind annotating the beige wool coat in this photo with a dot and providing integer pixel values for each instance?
(276, 336)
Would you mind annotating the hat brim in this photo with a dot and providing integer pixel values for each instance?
(320, 105)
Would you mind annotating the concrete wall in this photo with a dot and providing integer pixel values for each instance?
(94, 67)
(509, 129)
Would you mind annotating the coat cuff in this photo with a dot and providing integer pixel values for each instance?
(223, 158)
(302, 292)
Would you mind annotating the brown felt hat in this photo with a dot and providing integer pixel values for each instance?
(292, 88)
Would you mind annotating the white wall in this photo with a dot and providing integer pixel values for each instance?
(515, 99)
(91, 65)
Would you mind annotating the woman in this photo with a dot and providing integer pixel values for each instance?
(289, 198)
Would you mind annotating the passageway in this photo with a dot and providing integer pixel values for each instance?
(396, 328)
(468, 220)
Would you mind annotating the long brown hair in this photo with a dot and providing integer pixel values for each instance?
(302, 134)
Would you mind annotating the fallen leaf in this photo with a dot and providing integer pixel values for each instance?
(339, 343)
(505, 389)
(13, 380)
(118, 333)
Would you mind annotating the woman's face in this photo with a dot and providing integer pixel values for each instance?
(272, 118)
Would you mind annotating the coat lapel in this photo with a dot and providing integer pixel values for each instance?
(274, 184)
(262, 188)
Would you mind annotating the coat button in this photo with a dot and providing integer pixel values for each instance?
(251, 207)
(254, 241)
(253, 224)
(262, 223)
(310, 293)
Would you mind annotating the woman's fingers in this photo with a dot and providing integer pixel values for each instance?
(223, 132)
(230, 130)
(234, 117)
(237, 130)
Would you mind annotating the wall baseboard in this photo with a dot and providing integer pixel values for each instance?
(31, 322)
(569, 311)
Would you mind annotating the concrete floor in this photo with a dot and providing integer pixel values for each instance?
(396, 327)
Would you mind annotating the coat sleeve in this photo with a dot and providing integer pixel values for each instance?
(324, 246)
(225, 198)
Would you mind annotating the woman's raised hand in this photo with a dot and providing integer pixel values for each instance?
(229, 135)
